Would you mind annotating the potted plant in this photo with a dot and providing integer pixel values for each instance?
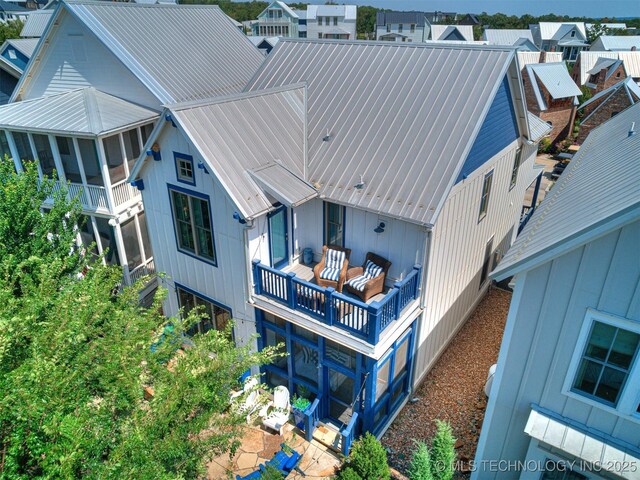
(299, 404)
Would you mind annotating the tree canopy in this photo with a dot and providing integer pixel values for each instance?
(78, 353)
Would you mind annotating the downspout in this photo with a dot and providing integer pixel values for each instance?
(249, 271)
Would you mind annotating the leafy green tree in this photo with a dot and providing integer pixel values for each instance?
(77, 355)
(367, 460)
(10, 29)
(366, 20)
(443, 452)
(597, 30)
(420, 467)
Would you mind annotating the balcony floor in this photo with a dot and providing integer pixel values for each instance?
(305, 272)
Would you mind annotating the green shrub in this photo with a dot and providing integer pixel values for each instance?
(443, 452)
(271, 473)
(544, 146)
(368, 460)
(420, 468)
(349, 474)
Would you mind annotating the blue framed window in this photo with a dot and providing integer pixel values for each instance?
(516, 166)
(184, 168)
(334, 216)
(486, 194)
(193, 224)
(278, 237)
(217, 316)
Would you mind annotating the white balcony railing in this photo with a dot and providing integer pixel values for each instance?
(124, 192)
(147, 268)
(95, 193)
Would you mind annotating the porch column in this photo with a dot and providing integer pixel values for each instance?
(85, 184)
(106, 179)
(534, 200)
(17, 161)
(34, 153)
(117, 233)
(56, 158)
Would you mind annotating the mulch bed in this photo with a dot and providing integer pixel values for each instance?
(453, 389)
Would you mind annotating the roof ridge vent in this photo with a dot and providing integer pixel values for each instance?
(632, 130)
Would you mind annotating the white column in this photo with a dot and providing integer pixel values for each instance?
(102, 159)
(121, 252)
(143, 254)
(85, 185)
(14, 151)
(56, 158)
(34, 152)
(123, 153)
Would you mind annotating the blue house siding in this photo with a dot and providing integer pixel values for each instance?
(499, 129)
(7, 85)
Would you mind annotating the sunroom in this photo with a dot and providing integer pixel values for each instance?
(90, 140)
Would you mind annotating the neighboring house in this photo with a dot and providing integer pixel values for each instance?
(520, 38)
(587, 60)
(526, 57)
(36, 23)
(302, 23)
(460, 33)
(402, 26)
(606, 73)
(611, 43)
(92, 91)
(331, 21)
(312, 154)
(552, 95)
(12, 11)
(469, 19)
(570, 38)
(14, 56)
(277, 20)
(264, 44)
(441, 17)
(565, 399)
(606, 104)
(610, 26)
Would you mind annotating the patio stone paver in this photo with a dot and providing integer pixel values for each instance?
(252, 441)
(247, 460)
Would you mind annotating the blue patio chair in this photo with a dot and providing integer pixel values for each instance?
(281, 461)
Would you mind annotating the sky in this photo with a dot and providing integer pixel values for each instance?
(577, 8)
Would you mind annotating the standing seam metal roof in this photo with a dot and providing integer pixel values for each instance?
(587, 60)
(181, 52)
(600, 182)
(36, 23)
(243, 132)
(400, 117)
(555, 78)
(538, 128)
(26, 46)
(631, 87)
(506, 36)
(86, 111)
(610, 42)
(440, 32)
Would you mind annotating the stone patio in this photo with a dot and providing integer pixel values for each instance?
(258, 446)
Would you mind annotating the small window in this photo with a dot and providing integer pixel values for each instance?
(559, 471)
(334, 224)
(12, 54)
(413, 28)
(516, 166)
(327, 20)
(613, 114)
(618, 74)
(486, 193)
(399, 28)
(573, 33)
(215, 316)
(487, 264)
(319, 20)
(606, 362)
(193, 225)
(319, 34)
(184, 168)
(335, 21)
(388, 28)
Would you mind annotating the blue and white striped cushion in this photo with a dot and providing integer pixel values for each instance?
(371, 270)
(330, 274)
(335, 259)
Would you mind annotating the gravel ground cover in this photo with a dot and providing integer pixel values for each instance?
(453, 389)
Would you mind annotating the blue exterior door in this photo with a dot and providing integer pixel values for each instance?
(278, 237)
(339, 392)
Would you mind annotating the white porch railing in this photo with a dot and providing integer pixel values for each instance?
(147, 268)
(124, 192)
(95, 193)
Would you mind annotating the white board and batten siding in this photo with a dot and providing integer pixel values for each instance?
(457, 249)
(546, 317)
(227, 283)
(76, 59)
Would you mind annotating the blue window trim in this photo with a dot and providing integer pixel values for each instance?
(481, 215)
(188, 158)
(206, 298)
(285, 261)
(324, 222)
(202, 196)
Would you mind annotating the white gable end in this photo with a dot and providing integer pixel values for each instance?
(75, 58)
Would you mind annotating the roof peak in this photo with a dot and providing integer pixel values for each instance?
(102, 3)
(369, 43)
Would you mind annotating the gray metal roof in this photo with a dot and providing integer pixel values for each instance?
(10, 7)
(36, 23)
(602, 63)
(384, 18)
(83, 112)
(405, 139)
(599, 185)
(26, 46)
(349, 12)
(505, 36)
(613, 43)
(441, 32)
(283, 185)
(630, 86)
(180, 52)
(549, 30)
(556, 80)
(538, 128)
(241, 133)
